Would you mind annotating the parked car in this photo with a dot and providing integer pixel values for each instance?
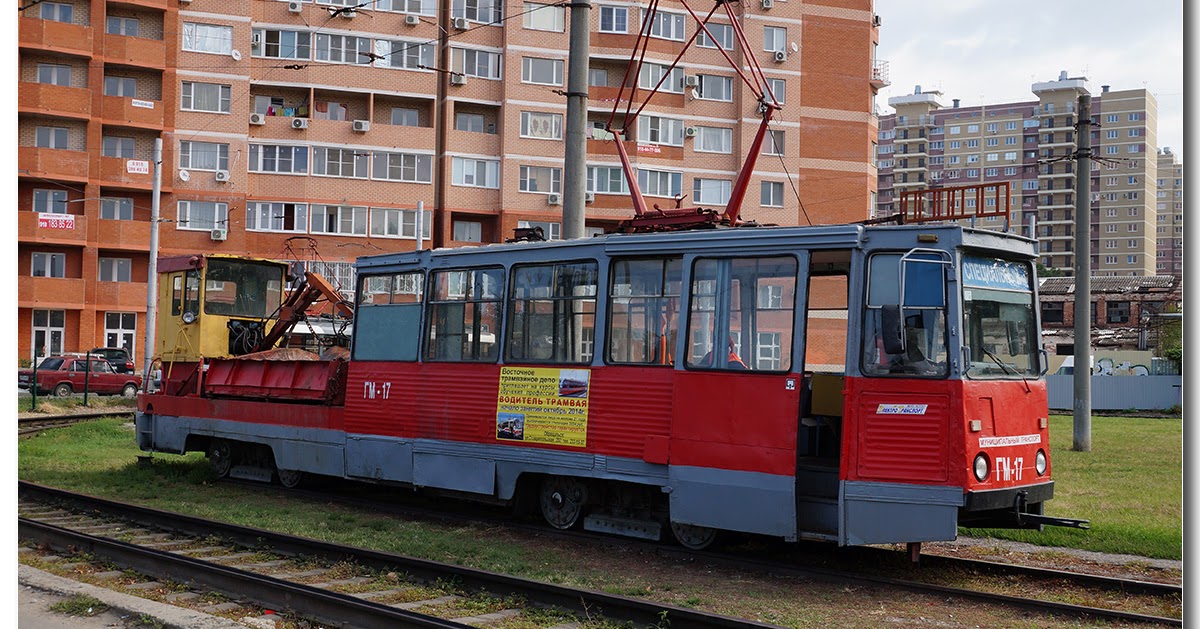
(65, 375)
(118, 357)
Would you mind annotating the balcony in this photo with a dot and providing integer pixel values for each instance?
(59, 164)
(63, 293)
(915, 121)
(135, 51)
(120, 296)
(119, 110)
(879, 74)
(54, 100)
(54, 36)
(600, 94)
(123, 235)
(29, 231)
(115, 171)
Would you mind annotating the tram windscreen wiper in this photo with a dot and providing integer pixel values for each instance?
(1005, 367)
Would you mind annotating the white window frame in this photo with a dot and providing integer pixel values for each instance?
(775, 142)
(52, 138)
(608, 15)
(711, 192)
(274, 216)
(466, 61)
(405, 55)
(652, 73)
(552, 231)
(188, 96)
(665, 25)
(660, 183)
(400, 223)
(54, 74)
(209, 39)
(278, 159)
(467, 231)
(187, 215)
(544, 17)
(531, 175)
(481, 11)
(57, 12)
(48, 264)
(117, 146)
(412, 167)
(357, 161)
(601, 180)
(121, 332)
(276, 43)
(115, 269)
(768, 192)
(348, 49)
(660, 130)
(116, 208)
(340, 220)
(466, 172)
(121, 86)
(535, 69)
(49, 201)
(706, 137)
(549, 125)
(723, 34)
(774, 39)
(121, 25)
(778, 89)
(715, 87)
(189, 150)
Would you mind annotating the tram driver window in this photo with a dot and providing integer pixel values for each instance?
(552, 313)
(464, 315)
(742, 314)
(388, 318)
(644, 311)
(921, 317)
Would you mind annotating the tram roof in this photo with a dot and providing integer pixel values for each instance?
(852, 236)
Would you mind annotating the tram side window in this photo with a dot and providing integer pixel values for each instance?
(922, 317)
(644, 307)
(464, 313)
(191, 292)
(827, 324)
(742, 314)
(177, 294)
(552, 313)
(388, 317)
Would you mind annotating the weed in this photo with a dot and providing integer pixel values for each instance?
(80, 605)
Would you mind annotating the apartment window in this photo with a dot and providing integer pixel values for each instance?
(1010, 171)
(485, 11)
(343, 49)
(1131, 243)
(397, 223)
(955, 130)
(972, 173)
(275, 216)
(1110, 244)
(127, 26)
(49, 329)
(542, 71)
(972, 128)
(540, 179)
(1112, 118)
(771, 194)
(1133, 227)
(278, 44)
(993, 141)
(542, 126)
(713, 140)
(112, 146)
(347, 220)
(468, 231)
(406, 117)
(660, 183)
(773, 142)
(201, 215)
(210, 38)
(606, 180)
(205, 97)
(116, 270)
(477, 63)
(54, 74)
(271, 158)
(337, 162)
(659, 130)
(466, 121)
(992, 157)
(711, 191)
(665, 25)
(406, 55)
(722, 36)
(119, 330)
(1010, 140)
(49, 265)
(50, 137)
(972, 144)
(203, 155)
(1112, 150)
(774, 39)
(478, 173)
(405, 167)
(1112, 134)
(972, 159)
(57, 12)
(1011, 125)
(50, 201)
(1133, 211)
(955, 144)
(614, 19)
(991, 172)
(652, 73)
(715, 88)
(1135, 116)
(116, 208)
(120, 86)
(329, 110)
(544, 17)
(597, 77)
(778, 87)
(954, 159)
(1135, 148)
(552, 231)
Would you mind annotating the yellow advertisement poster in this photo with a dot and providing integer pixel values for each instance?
(540, 405)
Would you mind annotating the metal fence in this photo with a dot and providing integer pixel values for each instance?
(1118, 393)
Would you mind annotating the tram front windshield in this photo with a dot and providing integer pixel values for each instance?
(999, 321)
(238, 288)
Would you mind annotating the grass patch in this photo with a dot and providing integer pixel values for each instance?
(1130, 486)
(80, 605)
(52, 405)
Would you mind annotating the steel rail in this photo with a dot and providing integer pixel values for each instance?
(581, 601)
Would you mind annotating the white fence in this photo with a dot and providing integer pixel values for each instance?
(1118, 393)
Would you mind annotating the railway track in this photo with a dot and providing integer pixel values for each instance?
(267, 570)
(29, 425)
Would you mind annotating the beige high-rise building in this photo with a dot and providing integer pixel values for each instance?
(1030, 144)
(1169, 233)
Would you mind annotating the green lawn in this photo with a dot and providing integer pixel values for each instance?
(1129, 486)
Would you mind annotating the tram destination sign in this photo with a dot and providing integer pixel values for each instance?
(993, 273)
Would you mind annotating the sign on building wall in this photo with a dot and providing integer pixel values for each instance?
(137, 166)
(144, 104)
(47, 220)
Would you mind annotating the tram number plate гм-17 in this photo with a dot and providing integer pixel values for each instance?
(371, 390)
(1009, 468)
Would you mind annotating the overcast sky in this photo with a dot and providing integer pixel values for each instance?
(991, 51)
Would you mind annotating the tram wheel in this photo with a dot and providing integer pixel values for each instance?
(692, 536)
(290, 478)
(562, 500)
(220, 455)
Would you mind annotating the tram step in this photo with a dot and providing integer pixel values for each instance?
(250, 472)
(814, 480)
(815, 513)
(641, 529)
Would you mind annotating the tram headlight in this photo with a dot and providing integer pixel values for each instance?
(1040, 462)
(981, 467)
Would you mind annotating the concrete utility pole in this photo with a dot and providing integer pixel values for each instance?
(1083, 278)
(575, 163)
(152, 269)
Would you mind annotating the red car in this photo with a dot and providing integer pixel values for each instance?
(65, 375)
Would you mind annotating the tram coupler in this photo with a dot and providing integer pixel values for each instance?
(1024, 518)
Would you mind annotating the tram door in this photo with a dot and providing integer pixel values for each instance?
(737, 395)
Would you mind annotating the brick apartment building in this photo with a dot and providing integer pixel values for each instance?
(926, 143)
(307, 131)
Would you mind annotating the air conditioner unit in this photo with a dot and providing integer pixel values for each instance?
(458, 78)
(554, 199)
(218, 234)
(588, 197)
(349, 14)
(412, 20)
(689, 132)
(222, 175)
(259, 119)
(295, 6)
(461, 23)
(691, 80)
(780, 56)
(299, 123)
(362, 126)
(768, 4)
